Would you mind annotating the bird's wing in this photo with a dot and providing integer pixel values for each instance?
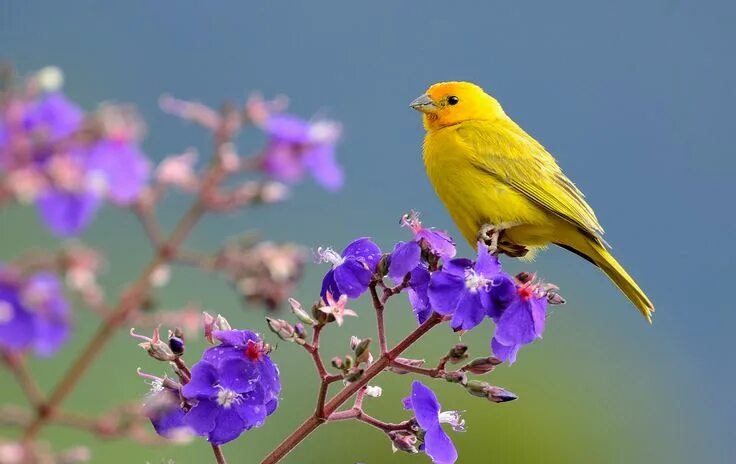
(513, 157)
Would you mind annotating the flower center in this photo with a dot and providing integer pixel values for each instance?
(525, 292)
(254, 351)
(226, 398)
(475, 281)
(453, 418)
(328, 255)
(412, 221)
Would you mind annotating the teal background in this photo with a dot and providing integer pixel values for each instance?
(635, 99)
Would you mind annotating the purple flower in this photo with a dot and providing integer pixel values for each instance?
(417, 291)
(121, 166)
(427, 410)
(520, 323)
(33, 313)
(406, 255)
(55, 115)
(469, 291)
(233, 388)
(67, 213)
(163, 408)
(81, 179)
(352, 270)
(296, 146)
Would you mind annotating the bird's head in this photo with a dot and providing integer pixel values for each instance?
(449, 103)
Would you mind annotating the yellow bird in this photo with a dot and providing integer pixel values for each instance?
(500, 184)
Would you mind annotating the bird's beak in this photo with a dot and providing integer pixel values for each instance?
(424, 104)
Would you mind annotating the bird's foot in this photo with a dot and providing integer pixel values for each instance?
(493, 237)
(490, 235)
(511, 249)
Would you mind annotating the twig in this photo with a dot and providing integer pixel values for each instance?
(434, 373)
(218, 454)
(311, 424)
(149, 222)
(17, 366)
(378, 305)
(128, 303)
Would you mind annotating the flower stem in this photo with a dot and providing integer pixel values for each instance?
(434, 373)
(218, 454)
(17, 366)
(311, 424)
(378, 305)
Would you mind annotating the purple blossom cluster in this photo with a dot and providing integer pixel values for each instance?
(33, 312)
(67, 163)
(465, 291)
(232, 389)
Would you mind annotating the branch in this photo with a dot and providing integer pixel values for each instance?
(311, 424)
(17, 366)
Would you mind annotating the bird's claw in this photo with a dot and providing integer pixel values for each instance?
(493, 237)
(489, 235)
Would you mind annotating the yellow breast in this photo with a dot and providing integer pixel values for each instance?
(472, 196)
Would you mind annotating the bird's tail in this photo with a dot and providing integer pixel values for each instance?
(601, 257)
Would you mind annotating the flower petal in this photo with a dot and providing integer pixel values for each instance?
(352, 278)
(320, 161)
(364, 249)
(329, 285)
(425, 405)
(439, 242)
(124, 168)
(516, 326)
(487, 265)
(228, 427)
(201, 418)
(503, 352)
(202, 384)
(404, 259)
(503, 293)
(438, 446)
(67, 213)
(237, 375)
(470, 311)
(445, 290)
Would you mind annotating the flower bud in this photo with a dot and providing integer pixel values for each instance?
(299, 331)
(403, 441)
(319, 316)
(348, 363)
(500, 395)
(491, 392)
(154, 346)
(480, 366)
(408, 362)
(362, 351)
(354, 375)
(456, 377)
(457, 354)
(374, 391)
(209, 326)
(176, 341)
(283, 329)
(524, 277)
(222, 324)
(299, 312)
(382, 266)
(337, 363)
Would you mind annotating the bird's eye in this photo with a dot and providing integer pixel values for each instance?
(453, 100)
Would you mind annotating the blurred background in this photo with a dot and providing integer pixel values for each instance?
(635, 99)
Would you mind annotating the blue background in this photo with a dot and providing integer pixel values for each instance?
(635, 99)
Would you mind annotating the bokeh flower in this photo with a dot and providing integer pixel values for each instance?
(33, 313)
(297, 146)
(352, 270)
(428, 412)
